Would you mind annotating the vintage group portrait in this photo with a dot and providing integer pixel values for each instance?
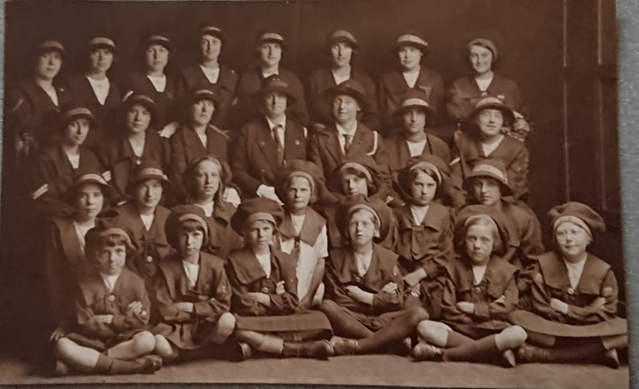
(362, 192)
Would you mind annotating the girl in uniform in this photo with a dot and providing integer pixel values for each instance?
(410, 48)
(484, 139)
(468, 90)
(94, 89)
(574, 296)
(264, 285)
(364, 289)
(64, 253)
(155, 50)
(192, 290)
(424, 232)
(139, 143)
(143, 218)
(108, 334)
(303, 232)
(56, 164)
(206, 180)
(270, 46)
(210, 72)
(340, 46)
(480, 292)
(197, 136)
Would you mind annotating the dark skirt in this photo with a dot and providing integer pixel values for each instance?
(537, 324)
(186, 335)
(479, 330)
(299, 326)
(100, 345)
(372, 322)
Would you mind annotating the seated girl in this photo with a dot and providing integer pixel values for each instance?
(111, 311)
(364, 288)
(264, 284)
(480, 292)
(574, 296)
(192, 291)
(303, 231)
(425, 233)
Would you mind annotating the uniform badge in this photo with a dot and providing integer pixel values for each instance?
(571, 291)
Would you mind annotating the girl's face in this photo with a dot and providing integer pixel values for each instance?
(490, 121)
(341, 53)
(409, 57)
(479, 243)
(298, 194)
(101, 59)
(202, 112)
(210, 47)
(157, 57)
(345, 108)
(572, 240)
(207, 179)
(362, 228)
(48, 66)
(414, 120)
(352, 184)
(138, 118)
(77, 131)
(423, 189)
(259, 234)
(487, 190)
(190, 242)
(89, 201)
(275, 104)
(111, 259)
(148, 193)
(270, 54)
(481, 59)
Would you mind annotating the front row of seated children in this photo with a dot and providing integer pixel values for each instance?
(444, 294)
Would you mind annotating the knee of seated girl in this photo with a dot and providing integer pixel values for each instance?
(144, 342)
(226, 324)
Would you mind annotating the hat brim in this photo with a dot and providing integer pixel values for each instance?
(362, 99)
(64, 122)
(104, 46)
(272, 40)
(342, 39)
(199, 97)
(278, 89)
(506, 190)
(399, 113)
(163, 180)
(107, 191)
(149, 42)
(423, 48)
(146, 104)
(509, 116)
(62, 52)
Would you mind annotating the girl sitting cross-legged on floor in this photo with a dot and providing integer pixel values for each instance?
(480, 292)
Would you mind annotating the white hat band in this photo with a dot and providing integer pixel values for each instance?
(264, 216)
(574, 220)
(343, 34)
(428, 166)
(77, 111)
(271, 35)
(415, 101)
(408, 38)
(91, 176)
(151, 171)
(492, 170)
(101, 41)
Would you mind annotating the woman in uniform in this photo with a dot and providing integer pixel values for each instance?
(466, 91)
(270, 46)
(209, 71)
(94, 89)
(155, 51)
(411, 49)
(341, 45)
(138, 142)
(574, 296)
(479, 293)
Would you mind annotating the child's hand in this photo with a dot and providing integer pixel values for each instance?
(260, 298)
(57, 334)
(559, 305)
(356, 293)
(134, 308)
(305, 303)
(466, 307)
(231, 196)
(598, 302)
(105, 319)
(414, 278)
(500, 300)
(391, 287)
(279, 288)
(186, 307)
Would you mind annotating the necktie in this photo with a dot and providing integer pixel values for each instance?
(348, 140)
(279, 140)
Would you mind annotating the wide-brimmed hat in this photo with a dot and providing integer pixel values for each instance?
(256, 209)
(51, 45)
(491, 102)
(88, 176)
(492, 168)
(179, 215)
(341, 35)
(428, 162)
(579, 214)
(487, 212)
(270, 35)
(148, 170)
(103, 42)
(73, 111)
(275, 83)
(414, 98)
(209, 92)
(350, 88)
(412, 39)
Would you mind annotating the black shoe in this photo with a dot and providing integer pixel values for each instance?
(149, 364)
(321, 349)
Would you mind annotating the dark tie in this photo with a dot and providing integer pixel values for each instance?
(280, 144)
(348, 140)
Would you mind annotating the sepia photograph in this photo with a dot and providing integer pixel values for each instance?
(404, 193)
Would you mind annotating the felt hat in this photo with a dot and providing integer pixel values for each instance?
(491, 102)
(275, 83)
(179, 215)
(212, 30)
(427, 162)
(209, 92)
(73, 111)
(148, 170)
(381, 212)
(51, 45)
(414, 98)
(103, 42)
(412, 39)
(350, 88)
(579, 214)
(157, 38)
(477, 211)
(492, 168)
(301, 168)
(256, 209)
(138, 98)
(88, 176)
(343, 36)
(270, 35)
(104, 228)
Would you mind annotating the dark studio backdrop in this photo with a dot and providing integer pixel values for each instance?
(562, 54)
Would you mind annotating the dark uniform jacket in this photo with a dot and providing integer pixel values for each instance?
(192, 76)
(341, 271)
(597, 280)
(246, 275)
(138, 82)
(393, 87)
(512, 153)
(320, 109)
(117, 156)
(186, 146)
(494, 298)
(107, 116)
(254, 155)
(325, 151)
(93, 299)
(248, 104)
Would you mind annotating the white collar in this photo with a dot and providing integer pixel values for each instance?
(272, 124)
(342, 131)
(110, 280)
